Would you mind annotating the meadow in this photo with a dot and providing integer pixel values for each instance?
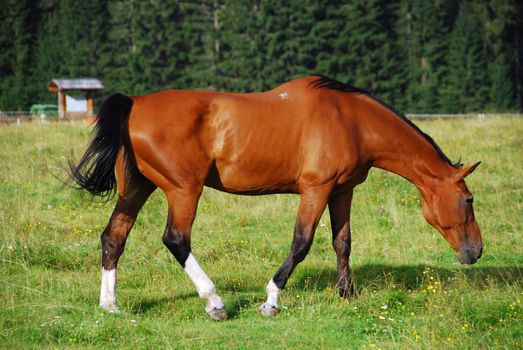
(412, 293)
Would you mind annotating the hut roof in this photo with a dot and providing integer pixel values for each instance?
(75, 84)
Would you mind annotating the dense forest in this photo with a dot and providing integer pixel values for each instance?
(422, 56)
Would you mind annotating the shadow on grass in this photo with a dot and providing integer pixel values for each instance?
(240, 302)
(143, 306)
(377, 276)
(244, 302)
(369, 276)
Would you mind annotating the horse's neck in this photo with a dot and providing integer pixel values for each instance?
(398, 147)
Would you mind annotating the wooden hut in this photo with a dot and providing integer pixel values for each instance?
(75, 96)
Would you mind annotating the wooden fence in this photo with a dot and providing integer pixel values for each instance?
(15, 117)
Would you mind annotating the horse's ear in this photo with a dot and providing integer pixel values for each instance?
(463, 172)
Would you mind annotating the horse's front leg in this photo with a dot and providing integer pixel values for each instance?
(312, 205)
(339, 210)
(177, 238)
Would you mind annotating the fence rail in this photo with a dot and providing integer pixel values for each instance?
(13, 113)
(469, 115)
(15, 117)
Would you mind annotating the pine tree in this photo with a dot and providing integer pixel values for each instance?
(500, 17)
(517, 40)
(7, 95)
(467, 81)
(501, 91)
(301, 48)
(159, 48)
(48, 53)
(73, 25)
(172, 49)
(198, 36)
(240, 49)
(98, 16)
(17, 30)
(274, 22)
(122, 73)
(325, 39)
(156, 46)
(424, 33)
(368, 56)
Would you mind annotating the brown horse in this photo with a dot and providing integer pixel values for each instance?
(312, 136)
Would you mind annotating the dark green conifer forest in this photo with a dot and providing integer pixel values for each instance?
(441, 56)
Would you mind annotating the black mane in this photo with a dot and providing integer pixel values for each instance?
(324, 82)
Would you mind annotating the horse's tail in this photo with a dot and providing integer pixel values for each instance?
(95, 170)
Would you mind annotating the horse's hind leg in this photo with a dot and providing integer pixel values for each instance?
(177, 238)
(312, 205)
(339, 209)
(132, 194)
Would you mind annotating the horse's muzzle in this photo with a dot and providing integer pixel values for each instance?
(470, 253)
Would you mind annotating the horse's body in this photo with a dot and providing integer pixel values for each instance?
(235, 140)
(312, 136)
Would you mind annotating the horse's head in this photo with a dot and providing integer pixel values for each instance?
(448, 207)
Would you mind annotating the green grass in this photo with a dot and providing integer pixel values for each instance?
(412, 292)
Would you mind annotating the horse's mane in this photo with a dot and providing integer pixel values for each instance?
(324, 82)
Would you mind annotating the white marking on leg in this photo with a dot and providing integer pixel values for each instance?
(270, 307)
(108, 290)
(203, 284)
(272, 294)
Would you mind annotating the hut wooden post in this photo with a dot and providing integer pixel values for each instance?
(62, 104)
(89, 103)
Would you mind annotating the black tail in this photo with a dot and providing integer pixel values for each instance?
(95, 170)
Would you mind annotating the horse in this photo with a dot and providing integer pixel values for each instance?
(312, 136)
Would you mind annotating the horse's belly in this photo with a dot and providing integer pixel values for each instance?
(250, 180)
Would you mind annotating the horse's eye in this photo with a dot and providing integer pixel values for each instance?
(469, 200)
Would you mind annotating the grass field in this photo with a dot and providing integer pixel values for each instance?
(412, 292)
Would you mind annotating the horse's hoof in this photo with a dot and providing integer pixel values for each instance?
(347, 295)
(269, 310)
(217, 314)
(347, 292)
(112, 309)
